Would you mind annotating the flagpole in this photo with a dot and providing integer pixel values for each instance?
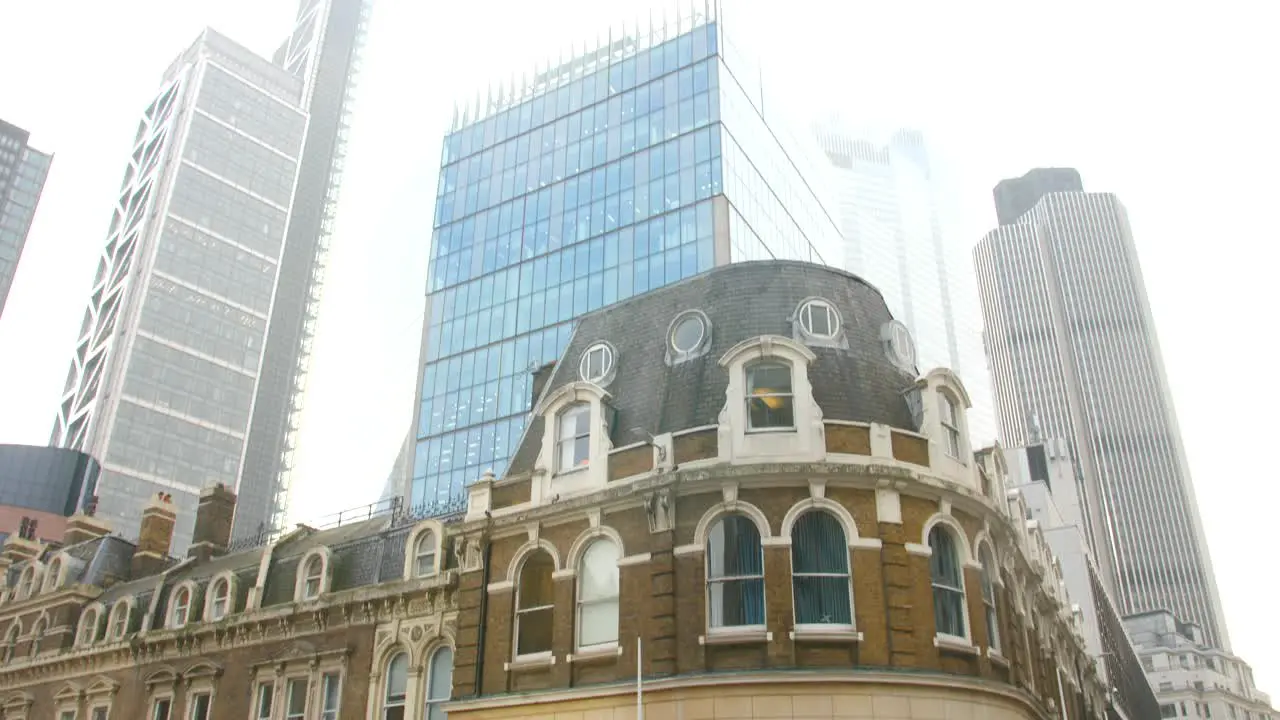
(639, 682)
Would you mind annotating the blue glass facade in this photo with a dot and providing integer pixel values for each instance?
(619, 174)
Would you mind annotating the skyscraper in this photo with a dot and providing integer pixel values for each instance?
(1015, 196)
(1073, 354)
(631, 166)
(895, 238)
(189, 366)
(22, 173)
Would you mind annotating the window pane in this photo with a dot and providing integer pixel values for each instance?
(598, 623)
(397, 678)
(330, 688)
(535, 631)
(535, 582)
(818, 545)
(161, 711)
(822, 599)
(599, 577)
(200, 707)
(734, 548)
(944, 564)
(774, 378)
(297, 706)
(736, 602)
(441, 681)
(265, 693)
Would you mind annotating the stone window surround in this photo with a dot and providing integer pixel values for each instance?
(961, 643)
(278, 674)
(39, 629)
(945, 382)
(229, 578)
(611, 357)
(100, 694)
(96, 613)
(416, 679)
(30, 581)
(983, 539)
(549, 481)
(129, 604)
(573, 561)
(11, 638)
(56, 573)
(161, 684)
(805, 440)
(67, 700)
(811, 302)
(200, 678)
(411, 548)
(192, 606)
(18, 705)
(326, 576)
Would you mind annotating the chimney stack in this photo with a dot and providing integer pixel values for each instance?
(83, 526)
(154, 536)
(213, 523)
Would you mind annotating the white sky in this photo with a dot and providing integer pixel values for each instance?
(1173, 107)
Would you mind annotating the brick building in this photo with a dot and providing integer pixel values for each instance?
(742, 483)
(99, 628)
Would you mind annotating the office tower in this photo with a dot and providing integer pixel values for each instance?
(633, 165)
(894, 237)
(1073, 354)
(190, 361)
(22, 173)
(40, 487)
(1015, 196)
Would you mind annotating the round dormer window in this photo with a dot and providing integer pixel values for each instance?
(688, 332)
(819, 319)
(596, 365)
(899, 346)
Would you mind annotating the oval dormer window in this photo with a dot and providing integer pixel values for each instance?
(819, 319)
(596, 365)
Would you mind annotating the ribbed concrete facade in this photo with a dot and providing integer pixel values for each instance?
(1073, 354)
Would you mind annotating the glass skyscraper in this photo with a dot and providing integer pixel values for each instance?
(627, 168)
(23, 170)
(895, 237)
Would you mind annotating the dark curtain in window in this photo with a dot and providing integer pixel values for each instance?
(820, 570)
(735, 573)
(948, 587)
(536, 604)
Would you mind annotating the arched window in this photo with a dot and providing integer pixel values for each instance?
(770, 403)
(819, 319)
(181, 607)
(37, 634)
(949, 415)
(596, 363)
(51, 576)
(119, 620)
(312, 575)
(88, 628)
(424, 554)
(573, 439)
(598, 594)
(735, 573)
(26, 585)
(220, 605)
(11, 639)
(396, 688)
(989, 598)
(948, 583)
(820, 570)
(439, 683)
(535, 605)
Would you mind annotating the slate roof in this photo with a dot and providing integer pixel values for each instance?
(855, 382)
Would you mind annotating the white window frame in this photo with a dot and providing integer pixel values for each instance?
(89, 621)
(51, 576)
(992, 616)
(334, 676)
(427, 537)
(264, 689)
(321, 559)
(430, 695)
(27, 581)
(607, 357)
(614, 599)
(949, 420)
(212, 612)
(180, 609)
(385, 702)
(290, 685)
(94, 708)
(193, 698)
(790, 395)
(936, 587)
(520, 611)
(805, 314)
(708, 581)
(704, 326)
(123, 606)
(575, 410)
(154, 713)
(847, 575)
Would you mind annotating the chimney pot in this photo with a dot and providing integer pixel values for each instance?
(155, 535)
(214, 517)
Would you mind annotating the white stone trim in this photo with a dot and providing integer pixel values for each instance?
(229, 578)
(743, 635)
(820, 503)
(961, 537)
(715, 512)
(172, 605)
(919, 549)
(411, 548)
(629, 560)
(943, 641)
(817, 633)
(534, 543)
(326, 574)
(502, 586)
(584, 540)
(690, 549)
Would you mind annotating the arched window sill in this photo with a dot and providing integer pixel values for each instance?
(826, 634)
(595, 653)
(743, 635)
(955, 643)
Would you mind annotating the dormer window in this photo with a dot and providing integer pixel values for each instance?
(313, 574)
(88, 627)
(950, 424)
(181, 608)
(119, 620)
(770, 403)
(26, 585)
(51, 577)
(573, 439)
(37, 634)
(220, 603)
(11, 640)
(819, 319)
(596, 365)
(424, 556)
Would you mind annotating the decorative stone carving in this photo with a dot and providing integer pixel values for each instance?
(660, 507)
